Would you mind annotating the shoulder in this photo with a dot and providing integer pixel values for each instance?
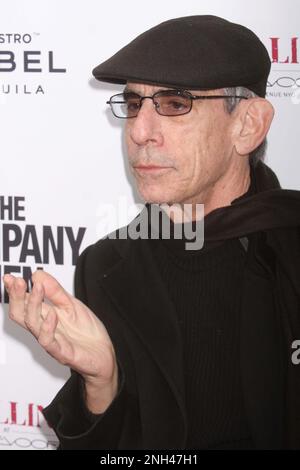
(112, 246)
(95, 260)
(105, 252)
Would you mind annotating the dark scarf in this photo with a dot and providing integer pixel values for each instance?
(264, 206)
(268, 218)
(268, 208)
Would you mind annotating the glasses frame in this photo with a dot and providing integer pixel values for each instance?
(177, 92)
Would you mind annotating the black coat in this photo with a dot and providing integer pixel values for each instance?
(118, 280)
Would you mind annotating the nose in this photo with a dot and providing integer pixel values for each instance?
(147, 126)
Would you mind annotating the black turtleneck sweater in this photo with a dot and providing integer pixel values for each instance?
(205, 288)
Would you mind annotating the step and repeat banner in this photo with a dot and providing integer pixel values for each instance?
(63, 167)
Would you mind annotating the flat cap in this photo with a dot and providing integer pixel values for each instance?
(201, 52)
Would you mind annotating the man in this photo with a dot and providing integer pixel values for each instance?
(173, 348)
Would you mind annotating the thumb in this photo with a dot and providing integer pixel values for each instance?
(52, 288)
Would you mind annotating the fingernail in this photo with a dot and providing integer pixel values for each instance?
(5, 282)
(36, 287)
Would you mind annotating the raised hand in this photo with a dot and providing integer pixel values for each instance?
(69, 331)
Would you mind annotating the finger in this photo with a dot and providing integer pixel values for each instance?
(47, 337)
(53, 341)
(33, 312)
(8, 279)
(53, 290)
(16, 288)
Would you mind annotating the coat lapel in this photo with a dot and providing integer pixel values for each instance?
(134, 286)
(262, 351)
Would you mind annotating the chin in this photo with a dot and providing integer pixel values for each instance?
(158, 196)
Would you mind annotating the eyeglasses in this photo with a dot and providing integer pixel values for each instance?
(166, 102)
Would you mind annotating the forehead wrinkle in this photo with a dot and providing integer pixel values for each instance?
(131, 88)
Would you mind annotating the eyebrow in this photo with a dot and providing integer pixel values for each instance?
(129, 90)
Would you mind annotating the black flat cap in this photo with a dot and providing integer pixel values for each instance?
(194, 52)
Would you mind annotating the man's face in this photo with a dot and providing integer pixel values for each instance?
(192, 151)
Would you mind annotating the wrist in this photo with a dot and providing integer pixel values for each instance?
(99, 394)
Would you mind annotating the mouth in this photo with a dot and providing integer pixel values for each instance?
(156, 169)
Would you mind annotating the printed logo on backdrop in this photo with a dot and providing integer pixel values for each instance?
(22, 426)
(25, 66)
(24, 244)
(25, 247)
(284, 79)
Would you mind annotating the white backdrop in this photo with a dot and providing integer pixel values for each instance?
(62, 157)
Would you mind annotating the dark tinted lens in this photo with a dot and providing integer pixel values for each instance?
(125, 105)
(172, 103)
(132, 104)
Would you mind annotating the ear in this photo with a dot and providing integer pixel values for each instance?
(254, 118)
